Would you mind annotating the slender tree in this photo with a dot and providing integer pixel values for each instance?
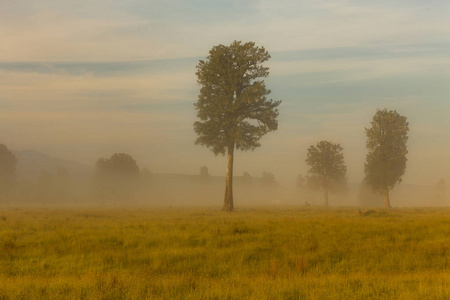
(386, 159)
(232, 105)
(327, 166)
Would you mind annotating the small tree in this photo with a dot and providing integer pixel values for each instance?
(204, 172)
(268, 179)
(232, 106)
(118, 176)
(327, 166)
(247, 178)
(386, 159)
(204, 175)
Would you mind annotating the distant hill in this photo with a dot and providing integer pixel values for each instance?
(32, 163)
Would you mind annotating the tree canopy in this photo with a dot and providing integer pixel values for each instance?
(327, 166)
(120, 164)
(268, 179)
(117, 177)
(386, 159)
(204, 172)
(232, 106)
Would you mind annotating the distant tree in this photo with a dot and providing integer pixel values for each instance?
(268, 179)
(120, 163)
(386, 159)
(117, 177)
(327, 166)
(8, 163)
(204, 172)
(247, 178)
(204, 175)
(232, 105)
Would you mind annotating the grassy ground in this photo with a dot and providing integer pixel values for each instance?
(203, 253)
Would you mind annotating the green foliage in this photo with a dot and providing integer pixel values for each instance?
(232, 104)
(386, 142)
(327, 166)
(204, 254)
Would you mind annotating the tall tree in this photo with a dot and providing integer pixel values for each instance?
(327, 166)
(386, 159)
(232, 106)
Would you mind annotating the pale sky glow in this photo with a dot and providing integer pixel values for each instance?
(82, 80)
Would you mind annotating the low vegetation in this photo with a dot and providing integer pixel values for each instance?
(201, 253)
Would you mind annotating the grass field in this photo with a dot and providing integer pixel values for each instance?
(287, 253)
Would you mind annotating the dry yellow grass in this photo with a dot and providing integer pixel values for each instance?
(260, 253)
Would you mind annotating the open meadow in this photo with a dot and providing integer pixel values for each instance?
(195, 253)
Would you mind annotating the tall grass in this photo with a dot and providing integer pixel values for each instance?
(202, 253)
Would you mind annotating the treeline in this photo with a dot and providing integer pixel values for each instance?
(119, 179)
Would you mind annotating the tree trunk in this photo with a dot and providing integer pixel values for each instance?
(228, 201)
(387, 202)
(325, 197)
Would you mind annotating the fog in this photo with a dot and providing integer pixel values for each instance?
(44, 181)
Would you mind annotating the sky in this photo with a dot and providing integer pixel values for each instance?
(81, 80)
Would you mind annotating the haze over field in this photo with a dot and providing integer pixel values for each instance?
(84, 80)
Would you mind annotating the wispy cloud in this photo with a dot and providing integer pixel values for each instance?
(139, 30)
